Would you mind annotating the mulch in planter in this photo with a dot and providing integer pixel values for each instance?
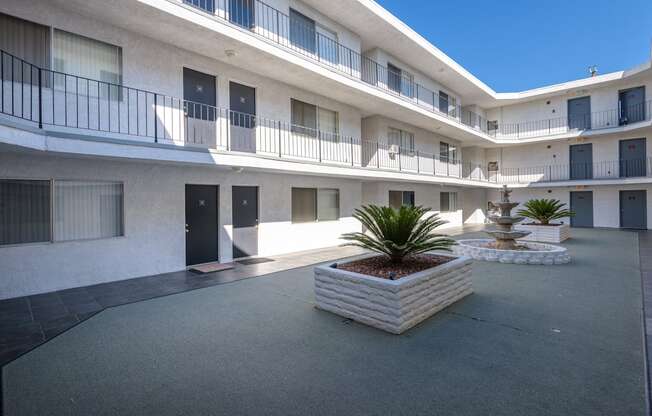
(380, 266)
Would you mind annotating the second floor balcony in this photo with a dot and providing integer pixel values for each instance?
(67, 103)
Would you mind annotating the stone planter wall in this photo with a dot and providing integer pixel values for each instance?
(545, 233)
(392, 305)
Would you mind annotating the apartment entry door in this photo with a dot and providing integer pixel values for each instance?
(633, 209)
(199, 95)
(579, 113)
(242, 117)
(201, 224)
(582, 203)
(632, 105)
(633, 161)
(581, 161)
(245, 221)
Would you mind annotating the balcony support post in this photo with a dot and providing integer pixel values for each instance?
(40, 100)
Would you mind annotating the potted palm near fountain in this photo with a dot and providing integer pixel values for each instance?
(410, 277)
(544, 212)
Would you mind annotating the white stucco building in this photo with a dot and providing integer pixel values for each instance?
(143, 136)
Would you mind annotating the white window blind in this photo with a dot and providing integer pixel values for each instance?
(85, 57)
(87, 210)
(401, 138)
(328, 124)
(328, 204)
(25, 40)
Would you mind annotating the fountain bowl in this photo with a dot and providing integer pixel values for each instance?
(531, 253)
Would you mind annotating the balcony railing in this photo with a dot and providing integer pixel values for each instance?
(612, 169)
(300, 36)
(598, 120)
(50, 98)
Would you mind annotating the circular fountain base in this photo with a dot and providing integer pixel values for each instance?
(531, 253)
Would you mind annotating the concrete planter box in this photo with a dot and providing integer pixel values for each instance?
(393, 305)
(545, 233)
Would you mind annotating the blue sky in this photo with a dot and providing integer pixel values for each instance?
(514, 45)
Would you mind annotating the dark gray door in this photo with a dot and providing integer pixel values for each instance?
(579, 113)
(443, 102)
(632, 158)
(632, 105)
(633, 209)
(581, 161)
(199, 94)
(582, 203)
(243, 117)
(245, 221)
(201, 224)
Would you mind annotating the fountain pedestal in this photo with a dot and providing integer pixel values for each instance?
(504, 233)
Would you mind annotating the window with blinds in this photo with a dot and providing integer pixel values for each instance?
(25, 40)
(399, 198)
(448, 201)
(24, 211)
(87, 58)
(309, 120)
(315, 204)
(401, 138)
(62, 210)
(87, 210)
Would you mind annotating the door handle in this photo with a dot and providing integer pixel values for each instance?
(187, 228)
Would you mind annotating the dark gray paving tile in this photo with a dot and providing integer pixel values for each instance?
(45, 300)
(7, 355)
(17, 334)
(46, 313)
(78, 308)
(65, 321)
(10, 319)
(84, 316)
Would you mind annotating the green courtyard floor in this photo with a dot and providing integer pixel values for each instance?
(531, 340)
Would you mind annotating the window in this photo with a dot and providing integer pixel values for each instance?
(242, 12)
(448, 201)
(492, 126)
(304, 118)
(394, 78)
(443, 102)
(24, 40)
(88, 58)
(80, 210)
(207, 5)
(308, 119)
(327, 45)
(24, 211)
(400, 198)
(447, 153)
(401, 138)
(302, 31)
(312, 204)
(87, 210)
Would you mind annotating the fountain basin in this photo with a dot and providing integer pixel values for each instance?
(533, 253)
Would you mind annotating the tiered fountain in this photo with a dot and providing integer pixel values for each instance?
(504, 248)
(504, 233)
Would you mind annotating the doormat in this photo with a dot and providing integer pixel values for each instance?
(258, 260)
(211, 267)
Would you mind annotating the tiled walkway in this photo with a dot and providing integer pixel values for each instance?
(29, 321)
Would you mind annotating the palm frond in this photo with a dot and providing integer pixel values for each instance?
(398, 233)
(545, 210)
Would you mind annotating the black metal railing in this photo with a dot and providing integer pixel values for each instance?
(63, 101)
(303, 36)
(623, 115)
(611, 169)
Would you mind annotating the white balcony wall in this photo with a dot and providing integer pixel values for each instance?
(375, 130)
(538, 162)
(425, 98)
(548, 116)
(470, 201)
(154, 66)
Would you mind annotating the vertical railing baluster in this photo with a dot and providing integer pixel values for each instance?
(40, 99)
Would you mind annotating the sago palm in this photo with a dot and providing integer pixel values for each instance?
(398, 233)
(545, 210)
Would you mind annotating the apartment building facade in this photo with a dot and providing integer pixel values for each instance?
(147, 136)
